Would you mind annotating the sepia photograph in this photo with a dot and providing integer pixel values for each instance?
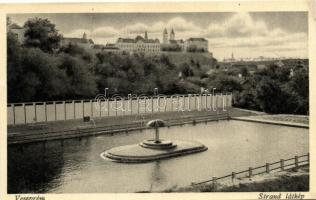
(158, 102)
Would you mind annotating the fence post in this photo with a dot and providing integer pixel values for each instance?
(108, 105)
(91, 108)
(55, 109)
(267, 168)
(100, 108)
(250, 172)
(158, 103)
(123, 105)
(45, 109)
(308, 158)
(189, 104)
(233, 175)
(206, 107)
(13, 111)
(194, 95)
(200, 102)
(35, 117)
(282, 164)
(152, 104)
(171, 100)
(137, 105)
(178, 102)
(115, 106)
(145, 104)
(24, 111)
(296, 161)
(214, 181)
(82, 102)
(131, 104)
(74, 105)
(65, 111)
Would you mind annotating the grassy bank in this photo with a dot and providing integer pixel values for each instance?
(289, 180)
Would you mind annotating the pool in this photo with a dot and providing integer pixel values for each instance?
(75, 165)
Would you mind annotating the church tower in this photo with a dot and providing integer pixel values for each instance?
(146, 36)
(172, 36)
(165, 36)
(84, 36)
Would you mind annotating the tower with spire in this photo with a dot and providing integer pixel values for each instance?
(165, 36)
(84, 36)
(146, 36)
(172, 35)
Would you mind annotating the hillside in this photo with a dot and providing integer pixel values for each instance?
(205, 60)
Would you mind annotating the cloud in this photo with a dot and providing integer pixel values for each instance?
(239, 31)
(239, 25)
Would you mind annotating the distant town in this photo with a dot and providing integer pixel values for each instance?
(139, 44)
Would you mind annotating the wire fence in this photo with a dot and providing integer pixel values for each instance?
(283, 164)
(33, 112)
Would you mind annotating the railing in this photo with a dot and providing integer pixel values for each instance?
(283, 164)
(33, 112)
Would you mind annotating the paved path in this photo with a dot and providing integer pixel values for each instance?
(266, 120)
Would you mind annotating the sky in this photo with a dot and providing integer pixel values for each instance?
(246, 35)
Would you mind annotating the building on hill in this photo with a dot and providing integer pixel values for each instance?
(83, 42)
(138, 45)
(18, 31)
(189, 45)
(196, 45)
(110, 47)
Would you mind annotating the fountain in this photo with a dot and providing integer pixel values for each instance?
(153, 149)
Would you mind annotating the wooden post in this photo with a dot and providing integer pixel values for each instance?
(178, 102)
(194, 101)
(158, 103)
(100, 112)
(108, 105)
(267, 168)
(131, 104)
(24, 111)
(35, 117)
(200, 102)
(45, 110)
(296, 161)
(74, 105)
(137, 105)
(145, 104)
(123, 106)
(115, 106)
(307, 158)
(91, 108)
(206, 106)
(250, 172)
(82, 103)
(171, 99)
(189, 105)
(214, 181)
(165, 100)
(13, 111)
(65, 111)
(152, 104)
(282, 164)
(233, 175)
(55, 109)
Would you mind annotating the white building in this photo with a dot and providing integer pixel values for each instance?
(139, 45)
(196, 45)
(18, 32)
(83, 42)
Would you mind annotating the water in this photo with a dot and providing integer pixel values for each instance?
(76, 166)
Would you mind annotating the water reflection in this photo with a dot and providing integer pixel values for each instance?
(75, 165)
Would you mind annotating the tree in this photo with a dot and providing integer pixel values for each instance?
(186, 70)
(41, 33)
(271, 97)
